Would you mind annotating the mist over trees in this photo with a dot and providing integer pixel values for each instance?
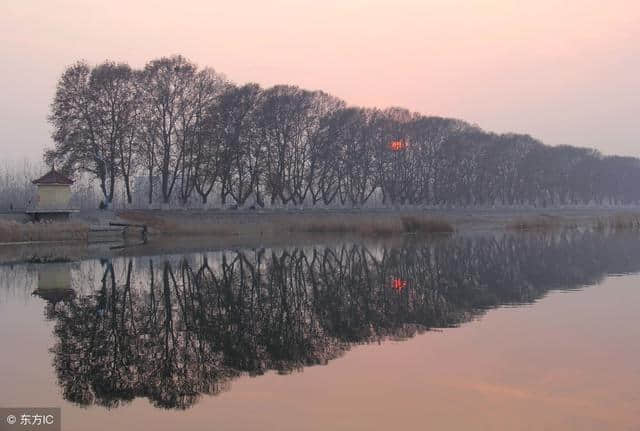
(174, 134)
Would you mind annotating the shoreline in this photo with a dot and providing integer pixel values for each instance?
(171, 230)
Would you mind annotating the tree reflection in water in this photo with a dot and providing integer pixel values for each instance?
(170, 329)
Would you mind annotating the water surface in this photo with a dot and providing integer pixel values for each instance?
(534, 331)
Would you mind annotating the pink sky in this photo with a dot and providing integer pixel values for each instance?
(563, 71)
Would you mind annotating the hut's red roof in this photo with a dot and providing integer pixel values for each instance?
(53, 177)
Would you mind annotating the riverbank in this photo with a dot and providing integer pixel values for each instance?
(12, 231)
(374, 222)
(219, 223)
(43, 242)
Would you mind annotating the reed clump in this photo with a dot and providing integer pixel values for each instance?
(159, 224)
(35, 258)
(374, 226)
(618, 222)
(243, 224)
(536, 223)
(175, 224)
(416, 224)
(12, 231)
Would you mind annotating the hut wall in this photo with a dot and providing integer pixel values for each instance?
(53, 196)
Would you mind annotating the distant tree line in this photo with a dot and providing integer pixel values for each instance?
(181, 135)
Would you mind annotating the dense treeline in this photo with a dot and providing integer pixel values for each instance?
(182, 135)
(174, 327)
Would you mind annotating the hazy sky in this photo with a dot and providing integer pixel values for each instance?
(567, 72)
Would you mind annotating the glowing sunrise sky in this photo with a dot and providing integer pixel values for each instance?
(566, 72)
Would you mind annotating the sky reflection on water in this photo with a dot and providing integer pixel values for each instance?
(175, 329)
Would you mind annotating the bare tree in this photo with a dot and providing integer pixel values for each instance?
(167, 91)
(117, 104)
(91, 115)
(240, 159)
(202, 95)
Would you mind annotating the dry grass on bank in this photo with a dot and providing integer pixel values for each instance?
(11, 231)
(158, 224)
(618, 222)
(426, 225)
(536, 223)
(182, 225)
(612, 222)
(372, 225)
(360, 224)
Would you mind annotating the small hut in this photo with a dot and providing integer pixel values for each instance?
(54, 194)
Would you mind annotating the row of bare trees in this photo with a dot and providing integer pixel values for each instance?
(181, 135)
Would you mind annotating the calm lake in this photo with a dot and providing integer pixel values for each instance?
(468, 332)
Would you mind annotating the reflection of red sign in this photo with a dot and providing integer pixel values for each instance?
(398, 145)
(398, 284)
